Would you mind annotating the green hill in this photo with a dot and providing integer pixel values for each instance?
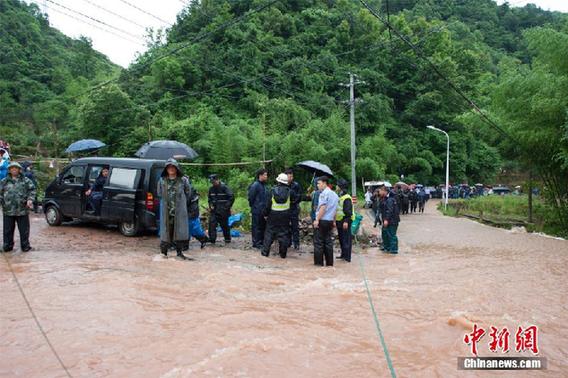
(274, 79)
(269, 84)
(41, 72)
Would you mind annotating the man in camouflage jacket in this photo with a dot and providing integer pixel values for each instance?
(17, 193)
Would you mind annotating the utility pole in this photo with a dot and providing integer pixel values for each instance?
(352, 101)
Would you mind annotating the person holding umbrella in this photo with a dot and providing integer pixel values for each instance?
(221, 200)
(17, 193)
(174, 192)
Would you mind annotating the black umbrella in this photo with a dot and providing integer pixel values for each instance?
(85, 145)
(165, 149)
(316, 167)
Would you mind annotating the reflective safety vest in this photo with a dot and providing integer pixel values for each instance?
(339, 215)
(281, 206)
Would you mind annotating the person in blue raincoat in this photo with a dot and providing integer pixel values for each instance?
(4, 163)
(195, 228)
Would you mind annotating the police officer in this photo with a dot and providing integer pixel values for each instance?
(390, 214)
(278, 213)
(343, 219)
(413, 198)
(17, 193)
(221, 200)
(324, 222)
(257, 196)
(296, 198)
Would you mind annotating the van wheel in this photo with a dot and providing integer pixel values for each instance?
(53, 216)
(129, 228)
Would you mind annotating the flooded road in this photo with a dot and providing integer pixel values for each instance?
(112, 307)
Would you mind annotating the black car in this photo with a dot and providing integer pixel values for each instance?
(128, 197)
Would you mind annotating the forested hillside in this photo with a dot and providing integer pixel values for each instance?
(42, 71)
(273, 78)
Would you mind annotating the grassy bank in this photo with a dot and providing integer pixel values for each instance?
(506, 212)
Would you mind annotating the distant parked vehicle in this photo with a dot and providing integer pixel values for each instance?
(501, 190)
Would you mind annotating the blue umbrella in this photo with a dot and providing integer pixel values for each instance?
(85, 145)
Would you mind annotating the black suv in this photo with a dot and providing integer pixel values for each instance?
(129, 195)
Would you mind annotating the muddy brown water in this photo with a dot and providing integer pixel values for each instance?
(112, 307)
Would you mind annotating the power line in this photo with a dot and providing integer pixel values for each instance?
(95, 26)
(96, 20)
(186, 94)
(145, 12)
(435, 68)
(44, 334)
(267, 76)
(114, 14)
(190, 42)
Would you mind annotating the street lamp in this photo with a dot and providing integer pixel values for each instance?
(447, 164)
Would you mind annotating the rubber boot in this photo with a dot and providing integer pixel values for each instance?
(164, 248)
(203, 240)
(179, 249)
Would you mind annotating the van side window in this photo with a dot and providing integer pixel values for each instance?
(94, 173)
(74, 175)
(123, 178)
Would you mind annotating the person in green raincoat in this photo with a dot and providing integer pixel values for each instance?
(174, 191)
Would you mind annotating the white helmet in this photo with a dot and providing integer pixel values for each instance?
(282, 178)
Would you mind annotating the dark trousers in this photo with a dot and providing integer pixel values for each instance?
(23, 223)
(377, 214)
(180, 245)
(295, 227)
(323, 245)
(258, 229)
(221, 219)
(280, 233)
(390, 240)
(95, 202)
(421, 207)
(413, 207)
(345, 240)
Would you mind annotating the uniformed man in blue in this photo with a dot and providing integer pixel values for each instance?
(221, 200)
(277, 212)
(324, 222)
(257, 196)
(343, 219)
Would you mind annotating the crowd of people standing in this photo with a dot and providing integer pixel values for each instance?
(275, 215)
(275, 211)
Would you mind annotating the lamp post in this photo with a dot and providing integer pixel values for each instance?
(447, 164)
